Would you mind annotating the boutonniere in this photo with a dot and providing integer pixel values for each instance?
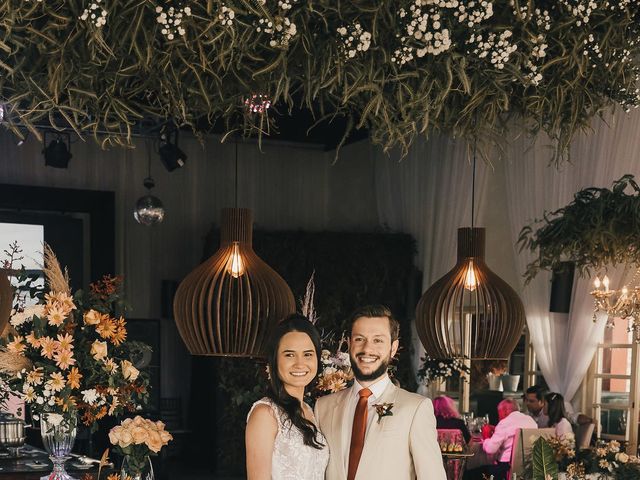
(383, 410)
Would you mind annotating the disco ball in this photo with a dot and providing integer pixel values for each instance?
(149, 210)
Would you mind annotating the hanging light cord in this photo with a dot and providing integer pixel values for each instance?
(236, 182)
(473, 184)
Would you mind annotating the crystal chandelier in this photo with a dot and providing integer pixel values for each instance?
(623, 303)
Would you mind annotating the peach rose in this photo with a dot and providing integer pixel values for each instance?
(139, 435)
(99, 349)
(125, 439)
(92, 317)
(166, 437)
(154, 442)
(129, 372)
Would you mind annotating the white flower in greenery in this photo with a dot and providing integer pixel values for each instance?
(90, 396)
(95, 14)
(54, 419)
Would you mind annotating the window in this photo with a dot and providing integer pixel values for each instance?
(30, 239)
(614, 386)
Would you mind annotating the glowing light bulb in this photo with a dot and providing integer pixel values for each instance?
(624, 292)
(605, 282)
(235, 263)
(596, 283)
(470, 281)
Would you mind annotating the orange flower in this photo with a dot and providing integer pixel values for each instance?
(34, 377)
(119, 336)
(49, 346)
(55, 316)
(66, 404)
(33, 340)
(56, 382)
(107, 327)
(65, 342)
(61, 301)
(73, 378)
(16, 345)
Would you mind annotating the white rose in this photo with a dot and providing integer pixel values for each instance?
(89, 396)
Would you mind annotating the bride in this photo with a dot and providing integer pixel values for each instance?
(282, 439)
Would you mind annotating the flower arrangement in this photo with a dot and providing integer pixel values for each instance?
(136, 439)
(383, 410)
(607, 458)
(399, 69)
(433, 369)
(336, 371)
(69, 353)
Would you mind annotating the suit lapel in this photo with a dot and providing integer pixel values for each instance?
(373, 432)
(337, 427)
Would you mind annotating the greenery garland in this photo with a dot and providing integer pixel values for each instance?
(600, 227)
(398, 68)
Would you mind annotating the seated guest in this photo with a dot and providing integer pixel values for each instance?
(500, 444)
(554, 409)
(534, 400)
(447, 416)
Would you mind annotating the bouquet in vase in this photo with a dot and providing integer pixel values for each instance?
(137, 439)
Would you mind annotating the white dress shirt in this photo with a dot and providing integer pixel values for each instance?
(502, 440)
(350, 410)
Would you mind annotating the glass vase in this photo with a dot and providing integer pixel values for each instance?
(135, 468)
(58, 436)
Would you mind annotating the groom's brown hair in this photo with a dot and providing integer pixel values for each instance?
(377, 311)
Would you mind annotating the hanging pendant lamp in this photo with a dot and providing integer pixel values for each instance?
(470, 312)
(230, 303)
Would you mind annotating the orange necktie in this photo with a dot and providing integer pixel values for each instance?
(357, 432)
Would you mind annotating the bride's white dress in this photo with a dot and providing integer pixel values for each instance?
(292, 459)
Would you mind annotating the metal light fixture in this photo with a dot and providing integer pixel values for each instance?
(170, 155)
(623, 303)
(230, 303)
(470, 312)
(149, 209)
(57, 153)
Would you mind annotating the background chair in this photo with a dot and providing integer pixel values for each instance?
(584, 432)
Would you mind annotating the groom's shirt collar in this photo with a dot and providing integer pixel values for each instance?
(376, 389)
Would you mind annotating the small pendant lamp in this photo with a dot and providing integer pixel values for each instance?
(230, 303)
(470, 312)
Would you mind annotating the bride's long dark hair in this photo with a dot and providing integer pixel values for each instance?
(277, 393)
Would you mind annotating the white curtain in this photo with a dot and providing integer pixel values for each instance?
(565, 343)
(428, 195)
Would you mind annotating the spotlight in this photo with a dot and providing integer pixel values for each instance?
(57, 153)
(170, 155)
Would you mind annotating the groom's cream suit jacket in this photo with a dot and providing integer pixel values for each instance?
(402, 446)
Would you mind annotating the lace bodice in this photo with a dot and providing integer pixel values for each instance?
(292, 459)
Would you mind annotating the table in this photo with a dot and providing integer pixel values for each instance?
(454, 463)
(34, 463)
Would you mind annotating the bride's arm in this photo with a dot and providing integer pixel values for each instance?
(260, 437)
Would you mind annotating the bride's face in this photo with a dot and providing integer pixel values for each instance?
(297, 360)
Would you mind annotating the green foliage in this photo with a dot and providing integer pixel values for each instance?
(58, 67)
(544, 463)
(600, 227)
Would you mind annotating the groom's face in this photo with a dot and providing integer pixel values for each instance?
(371, 348)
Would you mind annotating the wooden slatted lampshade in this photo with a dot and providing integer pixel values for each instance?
(229, 304)
(470, 312)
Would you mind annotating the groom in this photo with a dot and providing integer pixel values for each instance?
(375, 430)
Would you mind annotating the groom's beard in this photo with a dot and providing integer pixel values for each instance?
(367, 377)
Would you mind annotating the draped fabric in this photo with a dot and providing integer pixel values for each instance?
(565, 343)
(428, 194)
